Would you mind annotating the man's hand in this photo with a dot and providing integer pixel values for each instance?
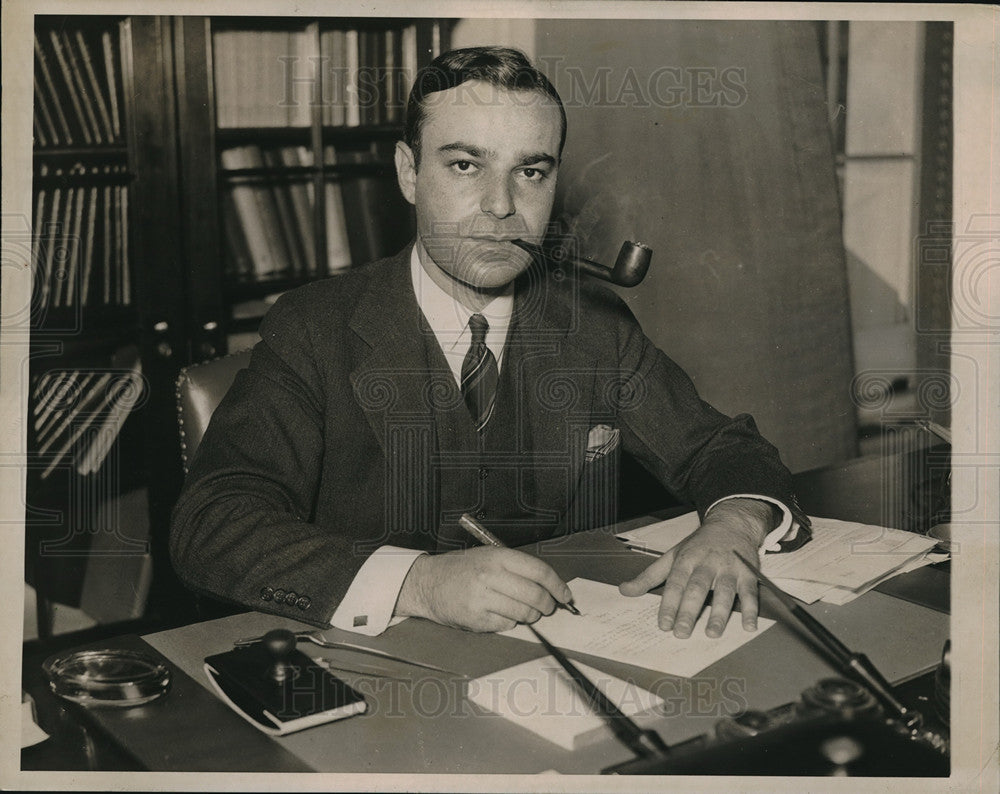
(482, 589)
(705, 561)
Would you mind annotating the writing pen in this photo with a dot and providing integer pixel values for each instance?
(487, 538)
(852, 665)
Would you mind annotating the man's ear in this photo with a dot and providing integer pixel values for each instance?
(406, 171)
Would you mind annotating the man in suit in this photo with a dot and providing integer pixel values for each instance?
(460, 376)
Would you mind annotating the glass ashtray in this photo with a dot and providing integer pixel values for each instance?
(107, 678)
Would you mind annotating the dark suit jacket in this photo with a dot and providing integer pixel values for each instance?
(308, 463)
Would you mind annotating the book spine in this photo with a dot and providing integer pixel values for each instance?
(75, 248)
(121, 399)
(58, 275)
(85, 100)
(70, 85)
(240, 259)
(71, 432)
(395, 92)
(109, 70)
(106, 251)
(37, 231)
(43, 66)
(255, 212)
(361, 211)
(95, 86)
(119, 257)
(285, 213)
(408, 59)
(339, 78)
(45, 130)
(45, 277)
(352, 104)
(338, 236)
(88, 257)
(267, 102)
(300, 75)
(63, 418)
(380, 76)
(303, 207)
(366, 82)
(222, 65)
(62, 387)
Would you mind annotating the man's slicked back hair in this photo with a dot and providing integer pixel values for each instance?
(503, 67)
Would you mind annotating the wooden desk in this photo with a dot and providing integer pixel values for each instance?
(427, 725)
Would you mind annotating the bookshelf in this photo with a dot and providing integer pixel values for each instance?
(85, 369)
(175, 192)
(302, 116)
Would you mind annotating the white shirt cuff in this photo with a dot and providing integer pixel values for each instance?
(370, 600)
(784, 531)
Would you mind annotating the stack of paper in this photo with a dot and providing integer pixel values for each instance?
(540, 696)
(843, 560)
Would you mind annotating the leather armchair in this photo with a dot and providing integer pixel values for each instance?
(200, 389)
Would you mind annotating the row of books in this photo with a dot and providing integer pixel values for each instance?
(80, 248)
(77, 84)
(78, 414)
(269, 221)
(274, 78)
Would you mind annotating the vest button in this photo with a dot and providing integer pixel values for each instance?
(481, 515)
(483, 472)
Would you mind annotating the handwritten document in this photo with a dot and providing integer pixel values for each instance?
(847, 554)
(624, 629)
(843, 560)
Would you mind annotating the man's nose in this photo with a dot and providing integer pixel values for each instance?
(498, 199)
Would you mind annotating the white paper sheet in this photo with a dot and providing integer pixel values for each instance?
(843, 595)
(841, 554)
(624, 629)
(541, 697)
(847, 554)
(663, 535)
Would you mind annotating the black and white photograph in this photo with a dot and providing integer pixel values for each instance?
(502, 397)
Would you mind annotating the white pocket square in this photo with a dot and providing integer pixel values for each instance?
(601, 440)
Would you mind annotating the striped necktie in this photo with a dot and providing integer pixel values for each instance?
(479, 374)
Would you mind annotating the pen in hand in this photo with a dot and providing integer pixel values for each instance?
(487, 538)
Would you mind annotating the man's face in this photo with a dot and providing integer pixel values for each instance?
(487, 175)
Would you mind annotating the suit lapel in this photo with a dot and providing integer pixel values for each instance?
(555, 381)
(392, 383)
(395, 388)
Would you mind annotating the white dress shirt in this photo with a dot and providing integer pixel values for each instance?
(368, 605)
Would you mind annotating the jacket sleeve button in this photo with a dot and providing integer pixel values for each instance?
(279, 594)
(303, 603)
(267, 593)
(291, 598)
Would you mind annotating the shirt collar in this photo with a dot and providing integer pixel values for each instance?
(449, 318)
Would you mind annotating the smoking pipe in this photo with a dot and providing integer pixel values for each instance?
(630, 267)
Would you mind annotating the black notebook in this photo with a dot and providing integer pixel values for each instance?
(311, 696)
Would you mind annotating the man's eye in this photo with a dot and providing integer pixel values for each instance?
(464, 166)
(534, 174)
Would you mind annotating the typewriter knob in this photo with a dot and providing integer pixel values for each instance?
(748, 723)
(839, 696)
